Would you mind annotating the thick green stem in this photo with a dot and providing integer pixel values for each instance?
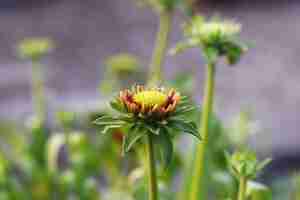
(152, 181)
(199, 174)
(242, 188)
(38, 95)
(162, 38)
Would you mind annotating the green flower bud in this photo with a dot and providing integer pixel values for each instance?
(122, 64)
(216, 38)
(245, 164)
(34, 48)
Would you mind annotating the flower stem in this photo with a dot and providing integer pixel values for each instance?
(38, 90)
(199, 174)
(242, 188)
(152, 181)
(162, 38)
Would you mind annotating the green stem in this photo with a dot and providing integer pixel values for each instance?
(38, 90)
(159, 52)
(242, 189)
(199, 174)
(152, 181)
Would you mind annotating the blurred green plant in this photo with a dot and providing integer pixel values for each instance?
(33, 50)
(245, 166)
(216, 39)
(154, 114)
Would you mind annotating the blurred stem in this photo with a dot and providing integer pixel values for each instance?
(162, 38)
(152, 181)
(242, 188)
(199, 174)
(38, 94)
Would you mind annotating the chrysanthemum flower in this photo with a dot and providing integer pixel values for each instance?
(155, 111)
(216, 38)
(150, 103)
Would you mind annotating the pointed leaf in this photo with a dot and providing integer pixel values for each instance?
(185, 126)
(263, 164)
(134, 134)
(109, 127)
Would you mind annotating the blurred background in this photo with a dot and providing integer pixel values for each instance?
(86, 32)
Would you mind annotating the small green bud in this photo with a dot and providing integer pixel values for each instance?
(34, 48)
(216, 38)
(245, 164)
(122, 64)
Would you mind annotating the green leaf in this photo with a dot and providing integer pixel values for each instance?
(109, 127)
(134, 134)
(165, 146)
(183, 109)
(263, 164)
(109, 121)
(185, 126)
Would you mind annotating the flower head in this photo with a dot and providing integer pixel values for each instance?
(216, 38)
(154, 111)
(34, 48)
(150, 103)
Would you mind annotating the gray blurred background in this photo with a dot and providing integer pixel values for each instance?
(87, 31)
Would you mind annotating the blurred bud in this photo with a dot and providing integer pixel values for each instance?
(216, 38)
(34, 48)
(258, 191)
(245, 164)
(122, 64)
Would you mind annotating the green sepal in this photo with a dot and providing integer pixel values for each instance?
(109, 123)
(134, 134)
